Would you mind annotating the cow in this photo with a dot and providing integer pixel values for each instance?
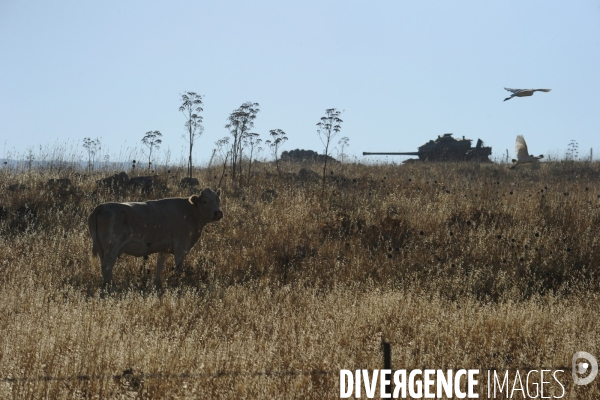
(60, 183)
(145, 183)
(121, 181)
(115, 182)
(188, 182)
(166, 226)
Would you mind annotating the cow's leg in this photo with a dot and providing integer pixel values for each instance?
(160, 263)
(179, 257)
(108, 262)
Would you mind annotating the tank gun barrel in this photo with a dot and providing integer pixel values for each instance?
(410, 153)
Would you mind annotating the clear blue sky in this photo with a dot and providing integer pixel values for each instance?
(402, 71)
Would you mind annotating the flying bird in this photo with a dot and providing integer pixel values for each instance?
(523, 92)
(523, 156)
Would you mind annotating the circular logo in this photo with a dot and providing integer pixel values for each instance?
(581, 367)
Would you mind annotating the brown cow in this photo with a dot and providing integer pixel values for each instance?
(167, 226)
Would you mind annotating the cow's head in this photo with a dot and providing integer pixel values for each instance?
(208, 205)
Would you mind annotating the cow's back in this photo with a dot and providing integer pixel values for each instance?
(165, 211)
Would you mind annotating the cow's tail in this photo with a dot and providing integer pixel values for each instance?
(96, 247)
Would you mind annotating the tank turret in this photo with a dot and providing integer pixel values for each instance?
(447, 148)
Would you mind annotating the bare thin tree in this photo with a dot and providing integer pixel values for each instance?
(328, 128)
(279, 139)
(212, 157)
(152, 140)
(344, 144)
(191, 108)
(224, 151)
(253, 143)
(30, 158)
(241, 121)
(92, 147)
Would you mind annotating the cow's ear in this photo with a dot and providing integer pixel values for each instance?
(194, 200)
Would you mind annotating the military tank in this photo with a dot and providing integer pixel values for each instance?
(446, 148)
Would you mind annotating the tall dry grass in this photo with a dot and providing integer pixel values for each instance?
(457, 265)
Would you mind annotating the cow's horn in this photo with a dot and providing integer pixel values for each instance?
(194, 200)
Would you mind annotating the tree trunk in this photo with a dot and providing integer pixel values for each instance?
(224, 169)
(325, 165)
(190, 163)
(249, 168)
(191, 145)
(234, 156)
(240, 164)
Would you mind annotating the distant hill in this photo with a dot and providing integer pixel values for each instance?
(299, 155)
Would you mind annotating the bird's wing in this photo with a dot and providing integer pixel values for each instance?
(541, 90)
(513, 90)
(521, 148)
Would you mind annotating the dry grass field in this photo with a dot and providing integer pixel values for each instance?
(457, 265)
